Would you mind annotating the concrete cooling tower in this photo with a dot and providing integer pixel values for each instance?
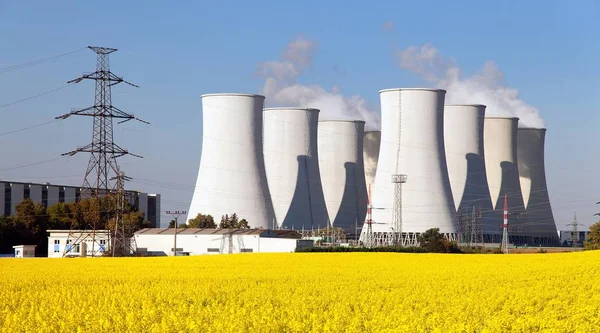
(500, 139)
(412, 143)
(463, 140)
(371, 142)
(532, 174)
(292, 166)
(231, 178)
(342, 172)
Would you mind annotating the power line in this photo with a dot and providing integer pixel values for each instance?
(29, 127)
(36, 62)
(36, 96)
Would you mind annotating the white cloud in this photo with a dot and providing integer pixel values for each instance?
(484, 87)
(281, 87)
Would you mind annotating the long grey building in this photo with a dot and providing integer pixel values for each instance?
(12, 193)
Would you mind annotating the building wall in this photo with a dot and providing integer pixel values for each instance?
(52, 195)
(11, 196)
(35, 193)
(2, 197)
(162, 244)
(57, 250)
(70, 194)
(17, 193)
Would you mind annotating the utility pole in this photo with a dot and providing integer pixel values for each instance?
(504, 247)
(369, 233)
(574, 231)
(397, 180)
(175, 215)
(120, 239)
(103, 151)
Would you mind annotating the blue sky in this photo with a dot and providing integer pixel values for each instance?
(177, 51)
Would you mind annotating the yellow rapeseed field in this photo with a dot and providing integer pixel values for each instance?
(324, 292)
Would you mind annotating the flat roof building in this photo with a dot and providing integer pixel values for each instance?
(196, 241)
(12, 193)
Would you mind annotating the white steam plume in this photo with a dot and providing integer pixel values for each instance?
(484, 87)
(281, 88)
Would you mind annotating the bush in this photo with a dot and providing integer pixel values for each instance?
(412, 249)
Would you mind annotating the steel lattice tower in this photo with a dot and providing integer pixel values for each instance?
(103, 150)
(102, 165)
(504, 246)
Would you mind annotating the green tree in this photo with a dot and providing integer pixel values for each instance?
(202, 221)
(181, 225)
(30, 222)
(593, 238)
(233, 222)
(433, 241)
(60, 216)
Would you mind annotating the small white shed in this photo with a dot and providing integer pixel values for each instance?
(24, 251)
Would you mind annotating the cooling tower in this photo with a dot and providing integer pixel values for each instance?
(412, 143)
(500, 140)
(371, 142)
(532, 174)
(231, 177)
(292, 166)
(342, 172)
(463, 139)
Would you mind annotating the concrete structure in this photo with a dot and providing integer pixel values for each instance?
(231, 176)
(292, 166)
(500, 140)
(532, 176)
(24, 251)
(412, 143)
(342, 173)
(371, 143)
(193, 241)
(12, 193)
(463, 141)
(83, 243)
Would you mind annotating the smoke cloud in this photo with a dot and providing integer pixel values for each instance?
(484, 87)
(281, 87)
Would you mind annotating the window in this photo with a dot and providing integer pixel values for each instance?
(77, 194)
(247, 250)
(213, 250)
(61, 194)
(7, 200)
(45, 196)
(26, 192)
(102, 245)
(56, 245)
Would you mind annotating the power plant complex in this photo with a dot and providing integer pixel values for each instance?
(430, 166)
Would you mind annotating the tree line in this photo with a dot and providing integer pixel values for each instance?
(208, 222)
(32, 220)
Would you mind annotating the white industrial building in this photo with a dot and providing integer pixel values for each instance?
(371, 143)
(77, 243)
(281, 168)
(231, 176)
(500, 138)
(463, 141)
(340, 144)
(412, 144)
(532, 174)
(12, 193)
(194, 241)
(292, 166)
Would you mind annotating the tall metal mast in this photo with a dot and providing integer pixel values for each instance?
(102, 165)
(98, 179)
(504, 247)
